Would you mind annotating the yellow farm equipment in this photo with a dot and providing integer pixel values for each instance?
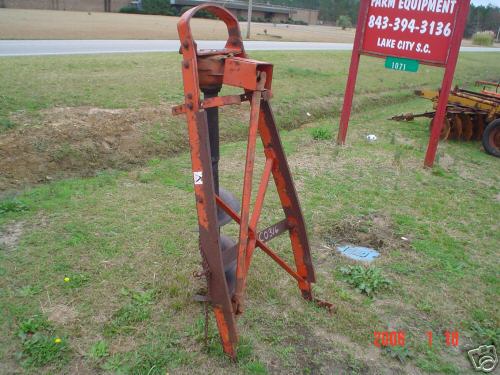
(470, 115)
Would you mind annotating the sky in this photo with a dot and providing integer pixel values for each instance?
(486, 2)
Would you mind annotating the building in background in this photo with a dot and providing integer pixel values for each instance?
(309, 16)
(260, 12)
(77, 5)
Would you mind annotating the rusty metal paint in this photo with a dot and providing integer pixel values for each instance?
(261, 194)
(287, 193)
(208, 227)
(241, 72)
(246, 244)
(208, 70)
(245, 202)
(228, 342)
(259, 201)
(264, 247)
(217, 101)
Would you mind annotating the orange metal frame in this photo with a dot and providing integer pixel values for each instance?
(231, 66)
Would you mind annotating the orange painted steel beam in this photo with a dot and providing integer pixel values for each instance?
(262, 245)
(208, 71)
(259, 202)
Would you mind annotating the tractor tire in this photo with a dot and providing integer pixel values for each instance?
(491, 138)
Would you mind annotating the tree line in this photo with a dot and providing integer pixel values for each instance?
(329, 10)
(481, 18)
(342, 12)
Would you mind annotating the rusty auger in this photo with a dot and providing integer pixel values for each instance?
(226, 262)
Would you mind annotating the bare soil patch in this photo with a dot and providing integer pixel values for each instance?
(64, 142)
(374, 231)
(10, 235)
(61, 314)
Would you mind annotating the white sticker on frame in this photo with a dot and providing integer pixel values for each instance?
(198, 178)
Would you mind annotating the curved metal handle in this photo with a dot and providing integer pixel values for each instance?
(234, 42)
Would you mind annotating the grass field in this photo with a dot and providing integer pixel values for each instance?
(105, 263)
(48, 24)
(86, 113)
(45, 24)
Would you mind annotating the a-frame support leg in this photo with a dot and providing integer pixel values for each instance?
(288, 197)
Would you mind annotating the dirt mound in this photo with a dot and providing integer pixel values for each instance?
(61, 313)
(10, 234)
(374, 231)
(64, 142)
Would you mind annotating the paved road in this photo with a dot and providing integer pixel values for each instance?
(71, 47)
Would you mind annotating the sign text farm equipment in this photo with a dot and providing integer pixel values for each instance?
(408, 33)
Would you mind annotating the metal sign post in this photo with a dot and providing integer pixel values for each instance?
(422, 32)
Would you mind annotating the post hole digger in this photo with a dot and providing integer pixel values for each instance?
(226, 262)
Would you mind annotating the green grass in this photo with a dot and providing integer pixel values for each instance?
(42, 92)
(368, 280)
(99, 350)
(133, 80)
(136, 311)
(321, 134)
(128, 241)
(12, 205)
(39, 345)
(401, 353)
(6, 124)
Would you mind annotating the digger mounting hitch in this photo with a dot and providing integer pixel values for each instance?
(226, 261)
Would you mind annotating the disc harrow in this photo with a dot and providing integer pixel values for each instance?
(470, 115)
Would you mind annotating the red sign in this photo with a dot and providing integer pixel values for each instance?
(413, 29)
(429, 31)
